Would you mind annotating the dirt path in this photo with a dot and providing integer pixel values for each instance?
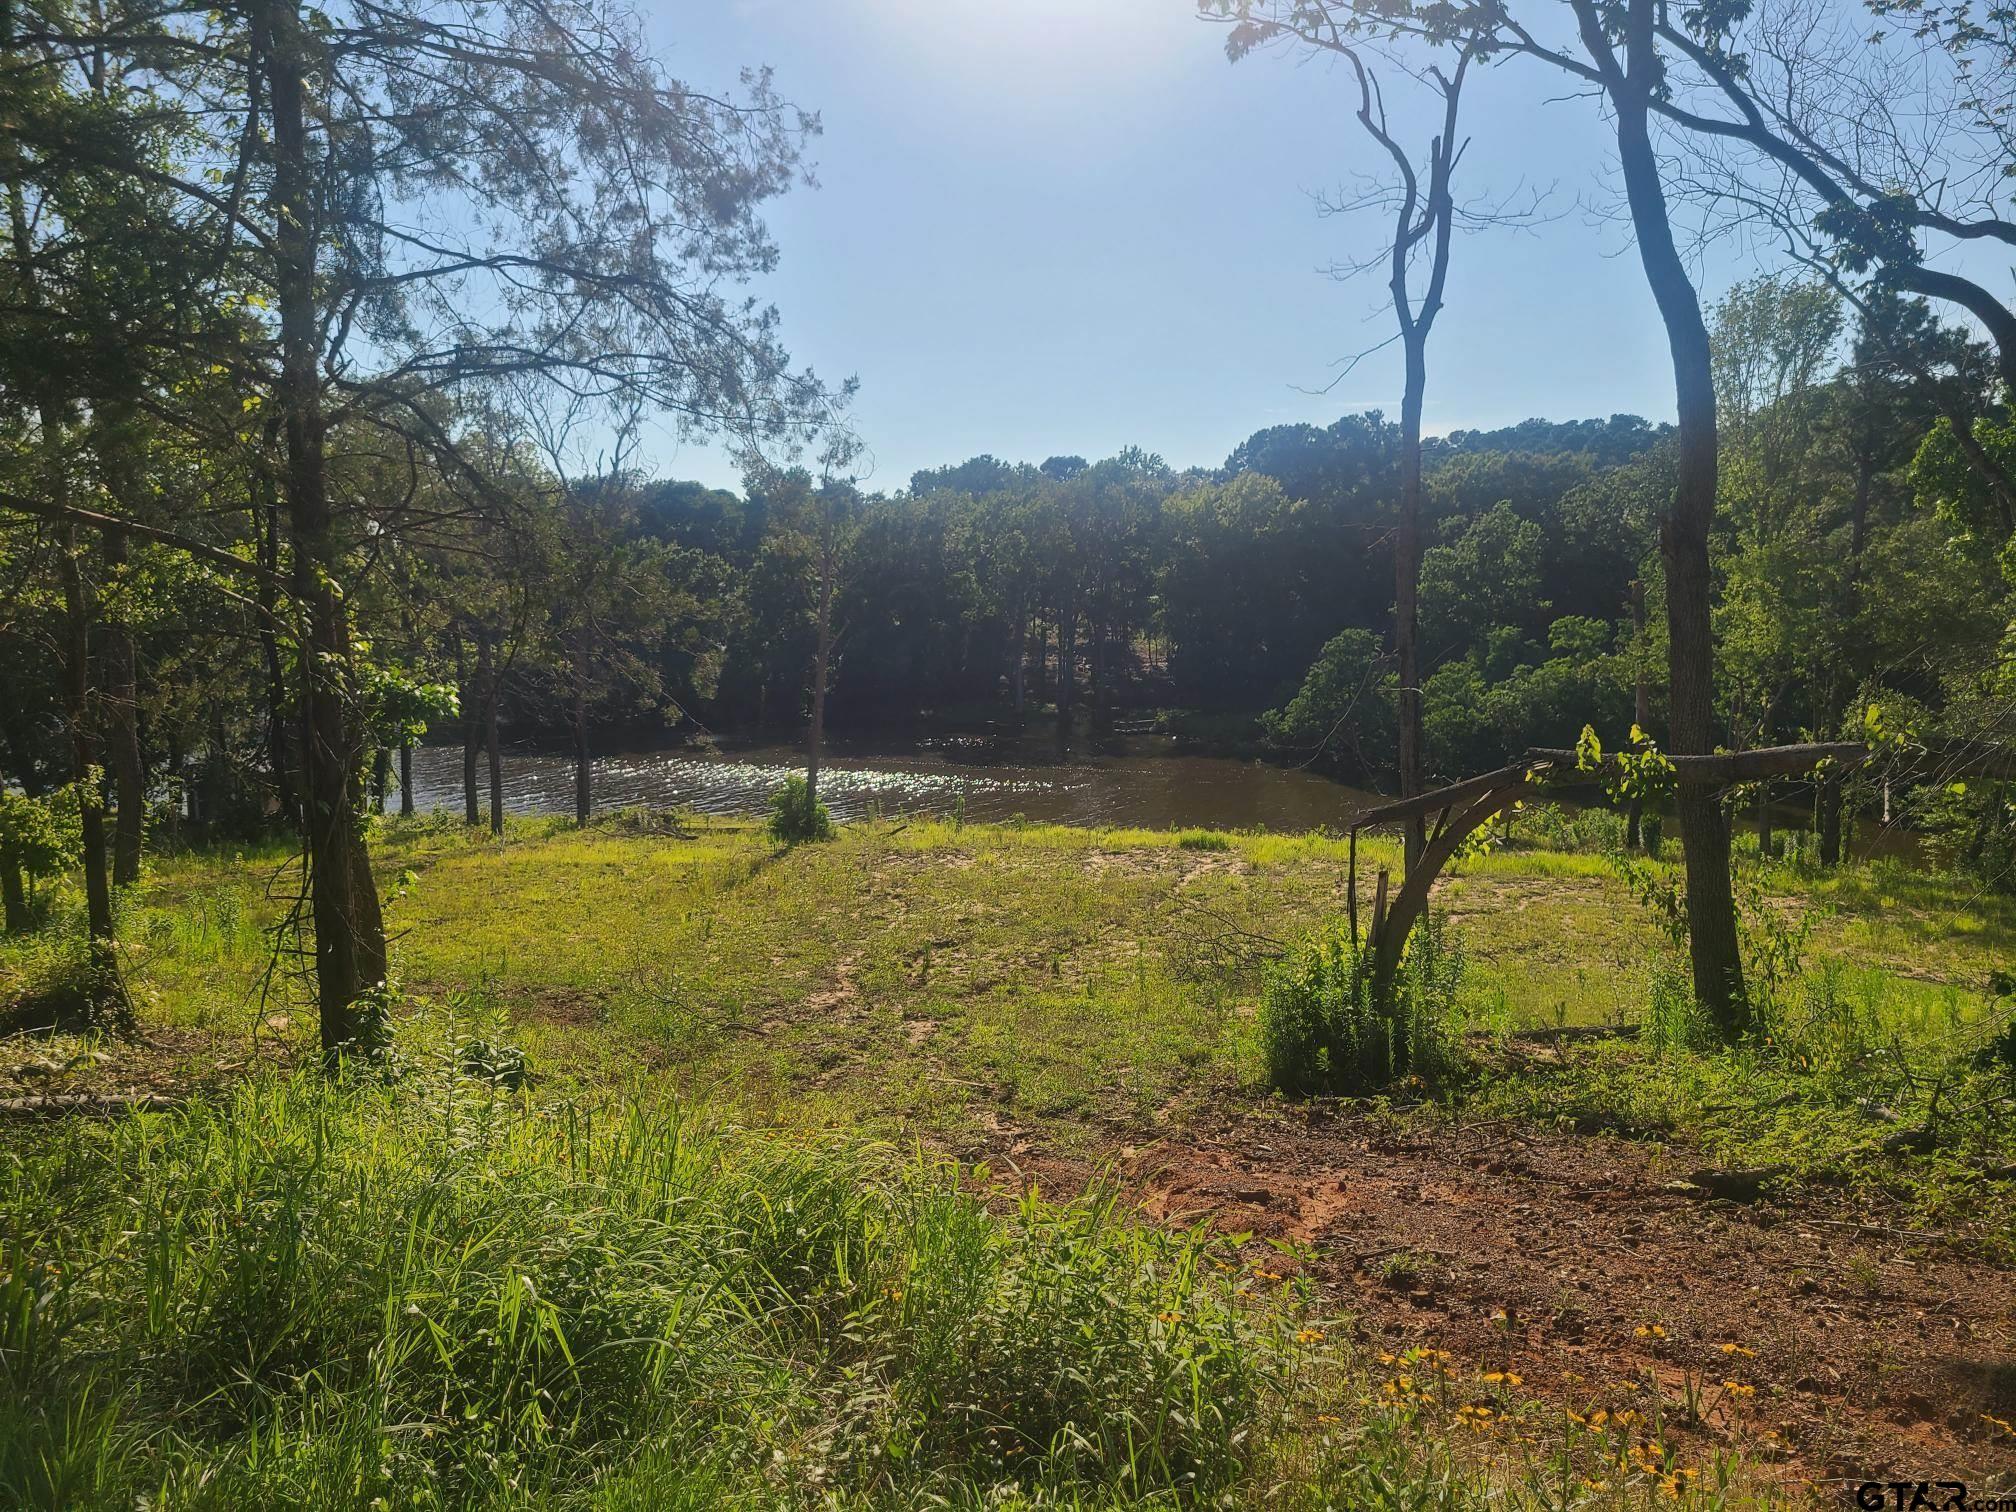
(1571, 1261)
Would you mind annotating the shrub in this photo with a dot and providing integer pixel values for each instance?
(1323, 1032)
(796, 816)
(1554, 826)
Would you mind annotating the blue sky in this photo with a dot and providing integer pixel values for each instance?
(1071, 225)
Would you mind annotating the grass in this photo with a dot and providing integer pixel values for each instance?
(433, 1294)
(703, 1260)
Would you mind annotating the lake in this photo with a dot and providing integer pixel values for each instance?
(1149, 786)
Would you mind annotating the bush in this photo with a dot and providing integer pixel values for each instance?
(434, 1294)
(1322, 1032)
(796, 816)
(1554, 826)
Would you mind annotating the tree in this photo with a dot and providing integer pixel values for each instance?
(418, 201)
(1623, 48)
(1424, 216)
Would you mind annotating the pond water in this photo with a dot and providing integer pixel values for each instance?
(1149, 786)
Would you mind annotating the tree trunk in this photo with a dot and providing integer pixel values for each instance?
(280, 754)
(1067, 663)
(1827, 803)
(1683, 537)
(584, 777)
(77, 701)
(381, 777)
(1829, 819)
(50, 410)
(822, 655)
(472, 733)
(350, 958)
(1019, 670)
(1101, 695)
(1641, 712)
(1407, 587)
(486, 674)
(406, 780)
(122, 710)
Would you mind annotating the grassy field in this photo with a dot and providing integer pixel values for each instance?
(580, 1291)
(943, 978)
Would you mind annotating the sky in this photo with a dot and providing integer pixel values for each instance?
(1058, 226)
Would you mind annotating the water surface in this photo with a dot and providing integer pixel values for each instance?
(1150, 786)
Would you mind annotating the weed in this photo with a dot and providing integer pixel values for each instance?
(428, 1294)
(1323, 1029)
(796, 817)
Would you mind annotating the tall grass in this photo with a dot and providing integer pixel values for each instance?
(442, 1294)
(1324, 1030)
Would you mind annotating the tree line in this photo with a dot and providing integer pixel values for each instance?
(334, 334)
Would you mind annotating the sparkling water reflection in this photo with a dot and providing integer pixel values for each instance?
(1151, 788)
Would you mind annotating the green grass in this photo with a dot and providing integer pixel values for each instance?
(702, 1261)
(435, 1294)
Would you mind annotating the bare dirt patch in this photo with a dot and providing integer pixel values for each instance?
(1572, 1261)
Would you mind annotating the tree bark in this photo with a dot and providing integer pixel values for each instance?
(584, 775)
(486, 674)
(122, 711)
(1407, 584)
(471, 700)
(1641, 712)
(280, 752)
(822, 656)
(1019, 670)
(1067, 663)
(77, 700)
(1683, 537)
(350, 955)
(406, 780)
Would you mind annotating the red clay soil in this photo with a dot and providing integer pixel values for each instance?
(1875, 1353)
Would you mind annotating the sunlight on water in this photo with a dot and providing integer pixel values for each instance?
(1162, 791)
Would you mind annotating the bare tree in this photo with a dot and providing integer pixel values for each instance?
(1424, 215)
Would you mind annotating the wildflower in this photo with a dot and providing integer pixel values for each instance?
(1598, 1486)
(1170, 1317)
(1328, 1417)
(2001, 1423)
(1599, 1417)
(1737, 1388)
(1738, 1349)
(1649, 1331)
(893, 1293)
(1504, 1377)
(1386, 1357)
(1309, 1336)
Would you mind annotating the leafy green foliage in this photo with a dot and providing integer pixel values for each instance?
(796, 817)
(1323, 1029)
(39, 836)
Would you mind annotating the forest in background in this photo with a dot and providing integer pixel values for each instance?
(1245, 607)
